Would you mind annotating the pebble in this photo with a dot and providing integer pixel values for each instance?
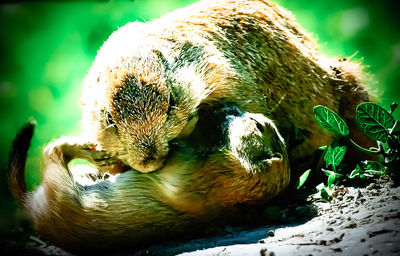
(263, 251)
(372, 186)
(337, 249)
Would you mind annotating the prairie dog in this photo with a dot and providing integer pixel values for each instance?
(149, 79)
(243, 162)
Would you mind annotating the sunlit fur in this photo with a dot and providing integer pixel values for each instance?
(251, 52)
(200, 186)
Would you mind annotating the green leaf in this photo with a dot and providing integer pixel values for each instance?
(324, 193)
(374, 121)
(393, 107)
(323, 148)
(329, 173)
(356, 172)
(303, 178)
(373, 168)
(368, 169)
(396, 128)
(332, 176)
(331, 180)
(334, 156)
(330, 120)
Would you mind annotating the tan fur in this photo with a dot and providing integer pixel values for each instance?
(252, 53)
(145, 91)
(133, 209)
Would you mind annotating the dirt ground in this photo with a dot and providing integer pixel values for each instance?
(357, 221)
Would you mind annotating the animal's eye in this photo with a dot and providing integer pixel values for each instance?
(110, 120)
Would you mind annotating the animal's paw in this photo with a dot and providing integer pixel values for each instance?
(256, 142)
(69, 148)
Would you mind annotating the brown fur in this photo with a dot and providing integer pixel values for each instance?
(252, 53)
(147, 88)
(195, 187)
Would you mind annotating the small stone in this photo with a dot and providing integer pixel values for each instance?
(351, 225)
(359, 194)
(322, 242)
(372, 186)
(271, 233)
(263, 251)
(332, 221)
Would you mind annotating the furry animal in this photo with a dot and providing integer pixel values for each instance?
(148, 103)
(243, 161)
(149, 79)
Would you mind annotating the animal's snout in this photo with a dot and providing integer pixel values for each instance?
(152, 157)
(148, 147)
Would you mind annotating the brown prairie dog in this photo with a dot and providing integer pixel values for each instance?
(243, 162)
(149, 79)
(148, 102)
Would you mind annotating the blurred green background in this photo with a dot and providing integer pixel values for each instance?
(46, 49)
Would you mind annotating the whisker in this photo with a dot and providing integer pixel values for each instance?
(108, 126)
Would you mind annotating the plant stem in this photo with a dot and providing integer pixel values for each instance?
(369, 151)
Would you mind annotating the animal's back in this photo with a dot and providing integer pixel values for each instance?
(272, 66)
(255, 54)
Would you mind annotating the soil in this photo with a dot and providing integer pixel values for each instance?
(357, 221)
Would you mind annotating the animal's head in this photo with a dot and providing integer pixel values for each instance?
(141, 93)
(136, 110)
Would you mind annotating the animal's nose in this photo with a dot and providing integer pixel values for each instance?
(148, 147)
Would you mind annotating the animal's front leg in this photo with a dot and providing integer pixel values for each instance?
(78, 148)
(260, 155)
(249, 163)
(256, 142)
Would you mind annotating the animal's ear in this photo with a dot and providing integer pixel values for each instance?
(165, 63)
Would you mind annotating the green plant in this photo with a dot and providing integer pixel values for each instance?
(374, 121)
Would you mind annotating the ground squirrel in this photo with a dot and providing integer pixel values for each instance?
(149, 79)
(150, 88)
(242, 162)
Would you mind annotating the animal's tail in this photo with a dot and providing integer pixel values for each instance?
(17, 159)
